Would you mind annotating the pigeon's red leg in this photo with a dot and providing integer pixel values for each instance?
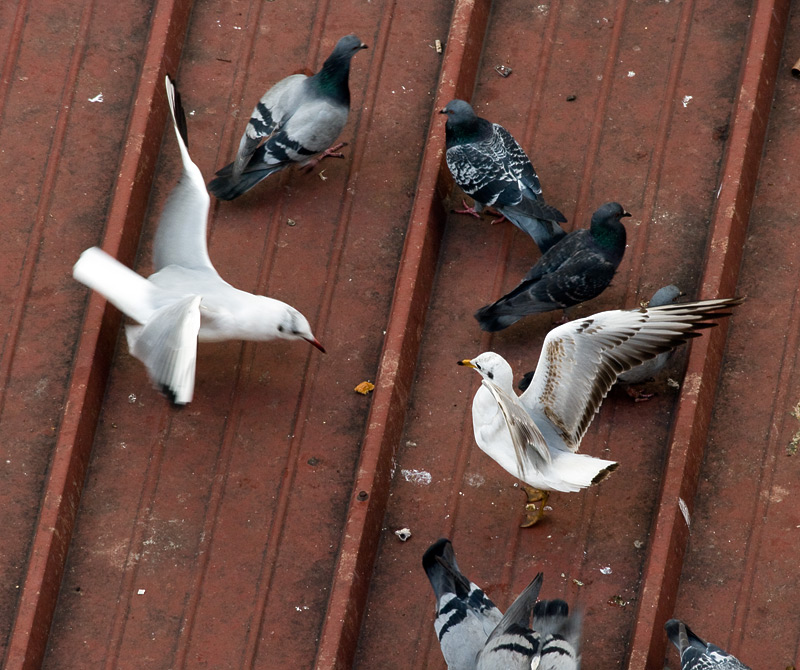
(467, 210)
(500, 217)
(638, 394)
(332, 152)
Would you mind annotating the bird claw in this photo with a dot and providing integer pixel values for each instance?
(467, 210)
(331, 152)
(499, 216)
(637, 394)
(534, 512)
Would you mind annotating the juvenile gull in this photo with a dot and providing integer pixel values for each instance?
(577, 268)
(490, 166)
(185, 299)
(300, 117)
(696, 653)
(535, 436)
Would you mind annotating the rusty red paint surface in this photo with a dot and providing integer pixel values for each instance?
(231, 533)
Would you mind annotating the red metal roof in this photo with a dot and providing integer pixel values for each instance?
(255, 527)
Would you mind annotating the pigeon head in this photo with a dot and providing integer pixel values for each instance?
(459, 112)
(493, 367)
(463, 125)
(607, 229)
(608, 212)
(332, 79)
(293, 326)
(347, 47)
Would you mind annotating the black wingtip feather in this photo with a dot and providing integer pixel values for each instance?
(180, 115)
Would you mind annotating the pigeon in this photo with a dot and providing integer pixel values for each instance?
(512, 644)
(559, 636)
(697, 654)
(465, 617)
(299, 118)
(185, 299)
(577, 268)
(535, 436)
(666, 295)
(490, 166)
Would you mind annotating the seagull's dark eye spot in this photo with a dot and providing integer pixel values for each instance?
(490, 375)
(280, 329)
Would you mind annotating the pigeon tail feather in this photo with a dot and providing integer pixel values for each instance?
(227, 187)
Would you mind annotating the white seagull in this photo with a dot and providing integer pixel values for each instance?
(535, 436)
(185, 300)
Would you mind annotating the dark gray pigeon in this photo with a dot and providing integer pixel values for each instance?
(490, 166)
(696, 653)
(465, 617)
(577, 268)
(512, 644)
(559, 636)
(300, 117)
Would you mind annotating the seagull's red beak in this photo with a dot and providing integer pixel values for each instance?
(315, 343)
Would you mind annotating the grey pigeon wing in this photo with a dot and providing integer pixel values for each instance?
(315, 126)
(167, 345)
(481, 172)
(274, 108)
(559, 635)
(465, 616)
(181, 235)
(519, 163)
(512, 643)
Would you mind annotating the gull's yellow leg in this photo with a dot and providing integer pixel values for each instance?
(534, 513)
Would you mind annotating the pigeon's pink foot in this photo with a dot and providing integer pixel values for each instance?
(500, 217)
(467, 210)
(638, 395)
(332, 152)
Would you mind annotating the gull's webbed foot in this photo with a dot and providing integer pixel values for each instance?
(534, 513)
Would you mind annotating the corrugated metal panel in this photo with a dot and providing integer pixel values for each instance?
(234, 532)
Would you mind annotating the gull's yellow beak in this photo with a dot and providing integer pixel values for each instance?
(467, 363)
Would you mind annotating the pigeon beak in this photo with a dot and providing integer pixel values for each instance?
(363, 46)
(443, 110)
(315, 343)
(467, 363)
(624, 213)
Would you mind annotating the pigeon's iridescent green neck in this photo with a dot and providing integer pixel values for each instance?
(609, 233)
(332, 79)
(467, 130)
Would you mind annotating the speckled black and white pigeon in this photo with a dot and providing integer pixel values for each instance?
(490, 166)
(300, 117)
(465, 617)
(577, 268)
(512, 644)
(559, 636)
(696, 653)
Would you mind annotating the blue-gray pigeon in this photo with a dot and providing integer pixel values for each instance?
(465, 617)
(299, 118)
